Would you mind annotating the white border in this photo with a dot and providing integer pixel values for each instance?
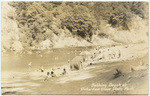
(86, 1)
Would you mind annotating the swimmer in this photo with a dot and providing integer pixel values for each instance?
(64, 72)
(41, 69)
(52, 74)
(46, 78)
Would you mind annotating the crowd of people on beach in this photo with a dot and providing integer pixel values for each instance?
(89, 58)
(95, 56)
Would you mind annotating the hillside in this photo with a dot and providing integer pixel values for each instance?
(46, 25)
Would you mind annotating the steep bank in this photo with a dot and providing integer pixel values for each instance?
(39, 26)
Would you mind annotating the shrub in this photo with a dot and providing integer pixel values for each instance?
(117, 74)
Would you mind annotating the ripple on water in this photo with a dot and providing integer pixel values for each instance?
(15, 85)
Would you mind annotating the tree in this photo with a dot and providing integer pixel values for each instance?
(81, 22)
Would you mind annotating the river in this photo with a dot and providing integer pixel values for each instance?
(17, 79)
(16, 66)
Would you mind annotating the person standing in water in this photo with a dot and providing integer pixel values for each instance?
(84, 59)
(41, 69)
(64, 71)
(29, 66)
(46, 78)
(69, 64)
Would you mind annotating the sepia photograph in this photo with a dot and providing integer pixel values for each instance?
(74, 47)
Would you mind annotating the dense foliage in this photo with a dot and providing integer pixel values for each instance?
(44, 21)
